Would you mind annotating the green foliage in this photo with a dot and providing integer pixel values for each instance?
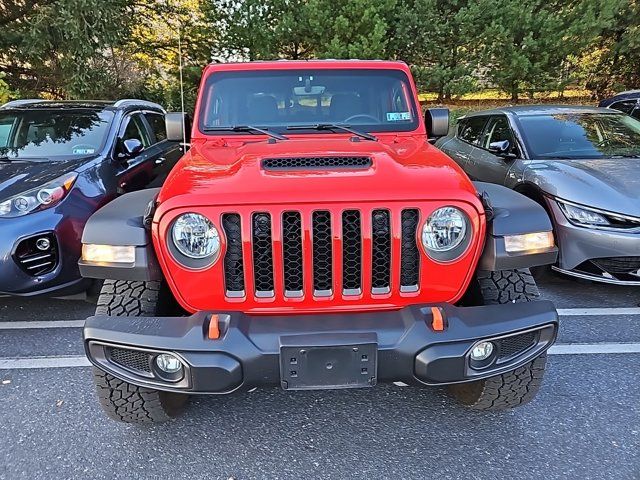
(118, 48)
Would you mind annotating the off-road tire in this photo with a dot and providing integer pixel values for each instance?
(123, 401)
(521, 385)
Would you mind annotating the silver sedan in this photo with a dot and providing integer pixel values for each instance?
(581, 163)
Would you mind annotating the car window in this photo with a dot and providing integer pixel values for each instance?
(626, 106)
(49, 133)
(497, 130)
(158, 127)
(636, 113)
(576, 135)
(470, 129)
(373, 100)
(136, 129)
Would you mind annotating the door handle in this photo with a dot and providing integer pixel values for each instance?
(160, 161)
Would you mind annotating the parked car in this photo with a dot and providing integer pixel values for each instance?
(627, 102)
(581, 163)
(312, 238)
(59, 163)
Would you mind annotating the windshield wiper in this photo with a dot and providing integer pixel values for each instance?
(334, 126)
(626, 155)
(246, 128)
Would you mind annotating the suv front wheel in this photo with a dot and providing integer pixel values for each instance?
(121, 400)
(521, 385)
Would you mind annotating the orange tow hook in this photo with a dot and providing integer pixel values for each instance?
(437, 319)
(214, 327)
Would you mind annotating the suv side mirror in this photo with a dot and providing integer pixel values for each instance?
(177, 124)
(437, 122)
(132, 147)
(502, 149)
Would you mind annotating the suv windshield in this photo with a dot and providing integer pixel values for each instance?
(371, 100)
(581, 135)
(50, 133)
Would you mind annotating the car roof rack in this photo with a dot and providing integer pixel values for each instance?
(126, 102)
(19, 103)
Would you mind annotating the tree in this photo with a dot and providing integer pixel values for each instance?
(60, 47)
(437, 37)
(525, 43)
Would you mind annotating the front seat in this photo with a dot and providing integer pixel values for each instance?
(263, 109)
(345, 105)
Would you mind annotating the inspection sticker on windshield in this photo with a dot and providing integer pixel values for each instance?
(83, 150)
(398, 116)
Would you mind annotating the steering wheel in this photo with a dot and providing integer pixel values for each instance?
(362, 115)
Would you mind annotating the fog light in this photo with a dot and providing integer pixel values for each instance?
(43, 243)
(530, 242)
(481, 351)
(168, 363)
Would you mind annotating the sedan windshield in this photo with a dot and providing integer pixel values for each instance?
(581, 135)
(285, 101)
(46, 134)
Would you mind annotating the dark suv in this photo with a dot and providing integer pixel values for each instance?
(59, 163)
(627, 102)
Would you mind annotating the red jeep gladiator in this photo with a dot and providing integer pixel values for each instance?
(313, 238)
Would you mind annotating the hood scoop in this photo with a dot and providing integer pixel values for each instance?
(316, 163)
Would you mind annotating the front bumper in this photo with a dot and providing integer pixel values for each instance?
(580, 245)
(254, 351)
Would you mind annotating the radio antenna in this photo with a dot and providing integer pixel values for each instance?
(184, 127)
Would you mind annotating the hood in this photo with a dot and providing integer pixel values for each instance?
(18, 176)
(611, 184)
(402, 168)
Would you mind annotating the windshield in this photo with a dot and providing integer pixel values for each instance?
(372, 100)
(581, 135)
(51, 133)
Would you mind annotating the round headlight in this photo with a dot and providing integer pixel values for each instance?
(444, 230)
(195, 236)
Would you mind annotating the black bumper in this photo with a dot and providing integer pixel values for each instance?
(320, 351)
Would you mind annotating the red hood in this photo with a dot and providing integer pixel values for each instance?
(230, 173)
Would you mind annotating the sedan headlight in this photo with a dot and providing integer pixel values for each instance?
(195, 237)
(445, 234)
(583, 216)
(41, 198)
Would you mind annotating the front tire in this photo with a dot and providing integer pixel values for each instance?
(521, 385)
(123, 401)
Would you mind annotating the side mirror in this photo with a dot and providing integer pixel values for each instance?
(502, 149)
(132, 147)
(437, 122)
(178, 124)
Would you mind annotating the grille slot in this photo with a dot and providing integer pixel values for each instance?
(322, 253)
(131, 359)
(316, 163)
(409, 254)
(35, 260)
(517, 344)
(292, 253)
(624, 265)
(351, 252)
(381, 251)
(262, 254)
(233, 262)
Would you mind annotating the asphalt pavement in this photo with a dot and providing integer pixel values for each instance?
(584, 424)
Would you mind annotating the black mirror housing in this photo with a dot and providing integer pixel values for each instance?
(437, 122)
(132, 147)
(178, 127)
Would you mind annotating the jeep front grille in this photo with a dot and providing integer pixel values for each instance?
(325, 253)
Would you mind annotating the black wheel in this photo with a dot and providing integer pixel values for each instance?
(521, 385)
(121, 400)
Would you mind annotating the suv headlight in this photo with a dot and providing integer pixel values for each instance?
(41, 198)
(195, 237)
(446, 234)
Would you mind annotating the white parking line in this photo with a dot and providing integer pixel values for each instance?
(41, 324)
(43, 362)
(22, 363)
(587, 312)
